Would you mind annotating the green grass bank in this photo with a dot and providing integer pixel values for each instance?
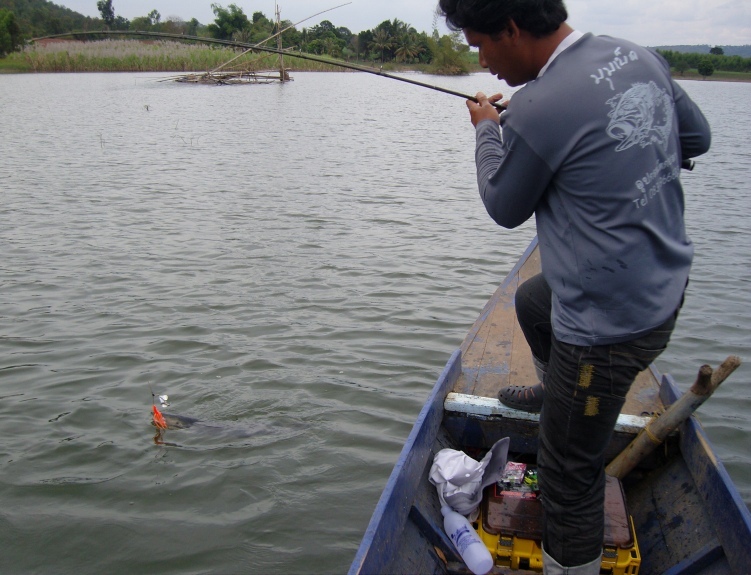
(141, 56)
(116, 55)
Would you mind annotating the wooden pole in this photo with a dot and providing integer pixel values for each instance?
(659, 428)
(282, 75)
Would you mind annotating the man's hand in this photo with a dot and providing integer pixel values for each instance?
(483, 109)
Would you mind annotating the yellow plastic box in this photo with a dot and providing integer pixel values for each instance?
(510, 525)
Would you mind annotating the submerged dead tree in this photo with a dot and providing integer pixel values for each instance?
(245, 72)
(283, 75)
(229, 78)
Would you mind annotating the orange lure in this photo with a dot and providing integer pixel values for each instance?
(159, 421)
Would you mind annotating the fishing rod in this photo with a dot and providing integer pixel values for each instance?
(685, 164)
(257, 47)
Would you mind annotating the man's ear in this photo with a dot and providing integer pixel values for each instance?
(513, 30)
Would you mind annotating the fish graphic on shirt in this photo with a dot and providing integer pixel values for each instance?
(641, 116)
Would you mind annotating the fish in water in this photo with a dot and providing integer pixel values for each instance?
(162, 420)
(173, 421)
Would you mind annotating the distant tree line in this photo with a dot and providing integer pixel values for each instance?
(715, 60)
(40, 18)
(10, 32)
(390, 41)
(152, 22)
(742, 51)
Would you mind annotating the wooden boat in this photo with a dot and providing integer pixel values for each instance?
(687, 515)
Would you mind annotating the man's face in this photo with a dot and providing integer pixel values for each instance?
(502, 55)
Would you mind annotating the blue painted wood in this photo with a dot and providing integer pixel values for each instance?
(669, 392)
(703, 558)
(382, 535)
(731, 518)
(434, 533)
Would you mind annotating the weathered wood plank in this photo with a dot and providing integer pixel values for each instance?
(709, 556)
(487, 349)
(643, 398)
(670, 519)
(732, 518)
(495, 353)
(474, 405)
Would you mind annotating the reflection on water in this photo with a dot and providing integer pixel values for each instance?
(293, 265)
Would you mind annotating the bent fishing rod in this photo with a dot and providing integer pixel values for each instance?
(686, 164)
(259, 48)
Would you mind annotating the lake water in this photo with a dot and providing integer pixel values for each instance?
(294, 263)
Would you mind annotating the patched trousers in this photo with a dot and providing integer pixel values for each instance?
(585, 389)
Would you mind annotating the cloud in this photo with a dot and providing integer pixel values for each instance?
(661, 22)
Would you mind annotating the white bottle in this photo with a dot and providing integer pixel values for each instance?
(467, 541)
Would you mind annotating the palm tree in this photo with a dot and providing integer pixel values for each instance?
(381, 41)
(408, 47)
(330, 46)
(354, 44)
(398, 27)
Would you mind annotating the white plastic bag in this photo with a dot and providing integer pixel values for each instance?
(460, 479)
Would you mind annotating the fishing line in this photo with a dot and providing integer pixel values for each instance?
(278, 34)
(257, 47)
(685, 164)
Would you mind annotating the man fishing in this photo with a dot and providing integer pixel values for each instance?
(592, 145)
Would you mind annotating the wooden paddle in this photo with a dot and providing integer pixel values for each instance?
(659, 428)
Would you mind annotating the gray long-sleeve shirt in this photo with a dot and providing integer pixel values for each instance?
(593, 148)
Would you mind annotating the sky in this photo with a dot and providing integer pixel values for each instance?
(646, 22)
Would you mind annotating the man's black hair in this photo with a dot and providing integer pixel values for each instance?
(538, 17)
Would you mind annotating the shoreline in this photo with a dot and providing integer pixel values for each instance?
(62, 56)
(398, 70)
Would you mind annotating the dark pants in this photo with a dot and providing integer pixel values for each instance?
(585, 388)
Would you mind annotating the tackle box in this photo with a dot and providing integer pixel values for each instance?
(510, 524)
